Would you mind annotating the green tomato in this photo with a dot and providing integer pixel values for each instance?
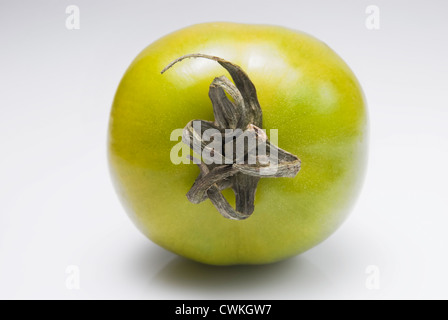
(306, 92)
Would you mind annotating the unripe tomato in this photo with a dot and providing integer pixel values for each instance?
(306, 92)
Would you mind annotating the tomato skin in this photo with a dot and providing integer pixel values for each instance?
(305, 90)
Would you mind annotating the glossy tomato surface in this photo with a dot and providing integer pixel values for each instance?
(306, 92)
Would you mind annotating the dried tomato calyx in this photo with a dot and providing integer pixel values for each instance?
(240, 153)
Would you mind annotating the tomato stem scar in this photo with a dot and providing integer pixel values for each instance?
(234, 121)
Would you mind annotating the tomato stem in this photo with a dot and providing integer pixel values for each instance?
(236, 153)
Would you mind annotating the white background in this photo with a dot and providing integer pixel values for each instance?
(58, 207)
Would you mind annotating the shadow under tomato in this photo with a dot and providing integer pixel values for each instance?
(289, 279)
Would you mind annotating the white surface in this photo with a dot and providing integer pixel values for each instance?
(57, 205)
